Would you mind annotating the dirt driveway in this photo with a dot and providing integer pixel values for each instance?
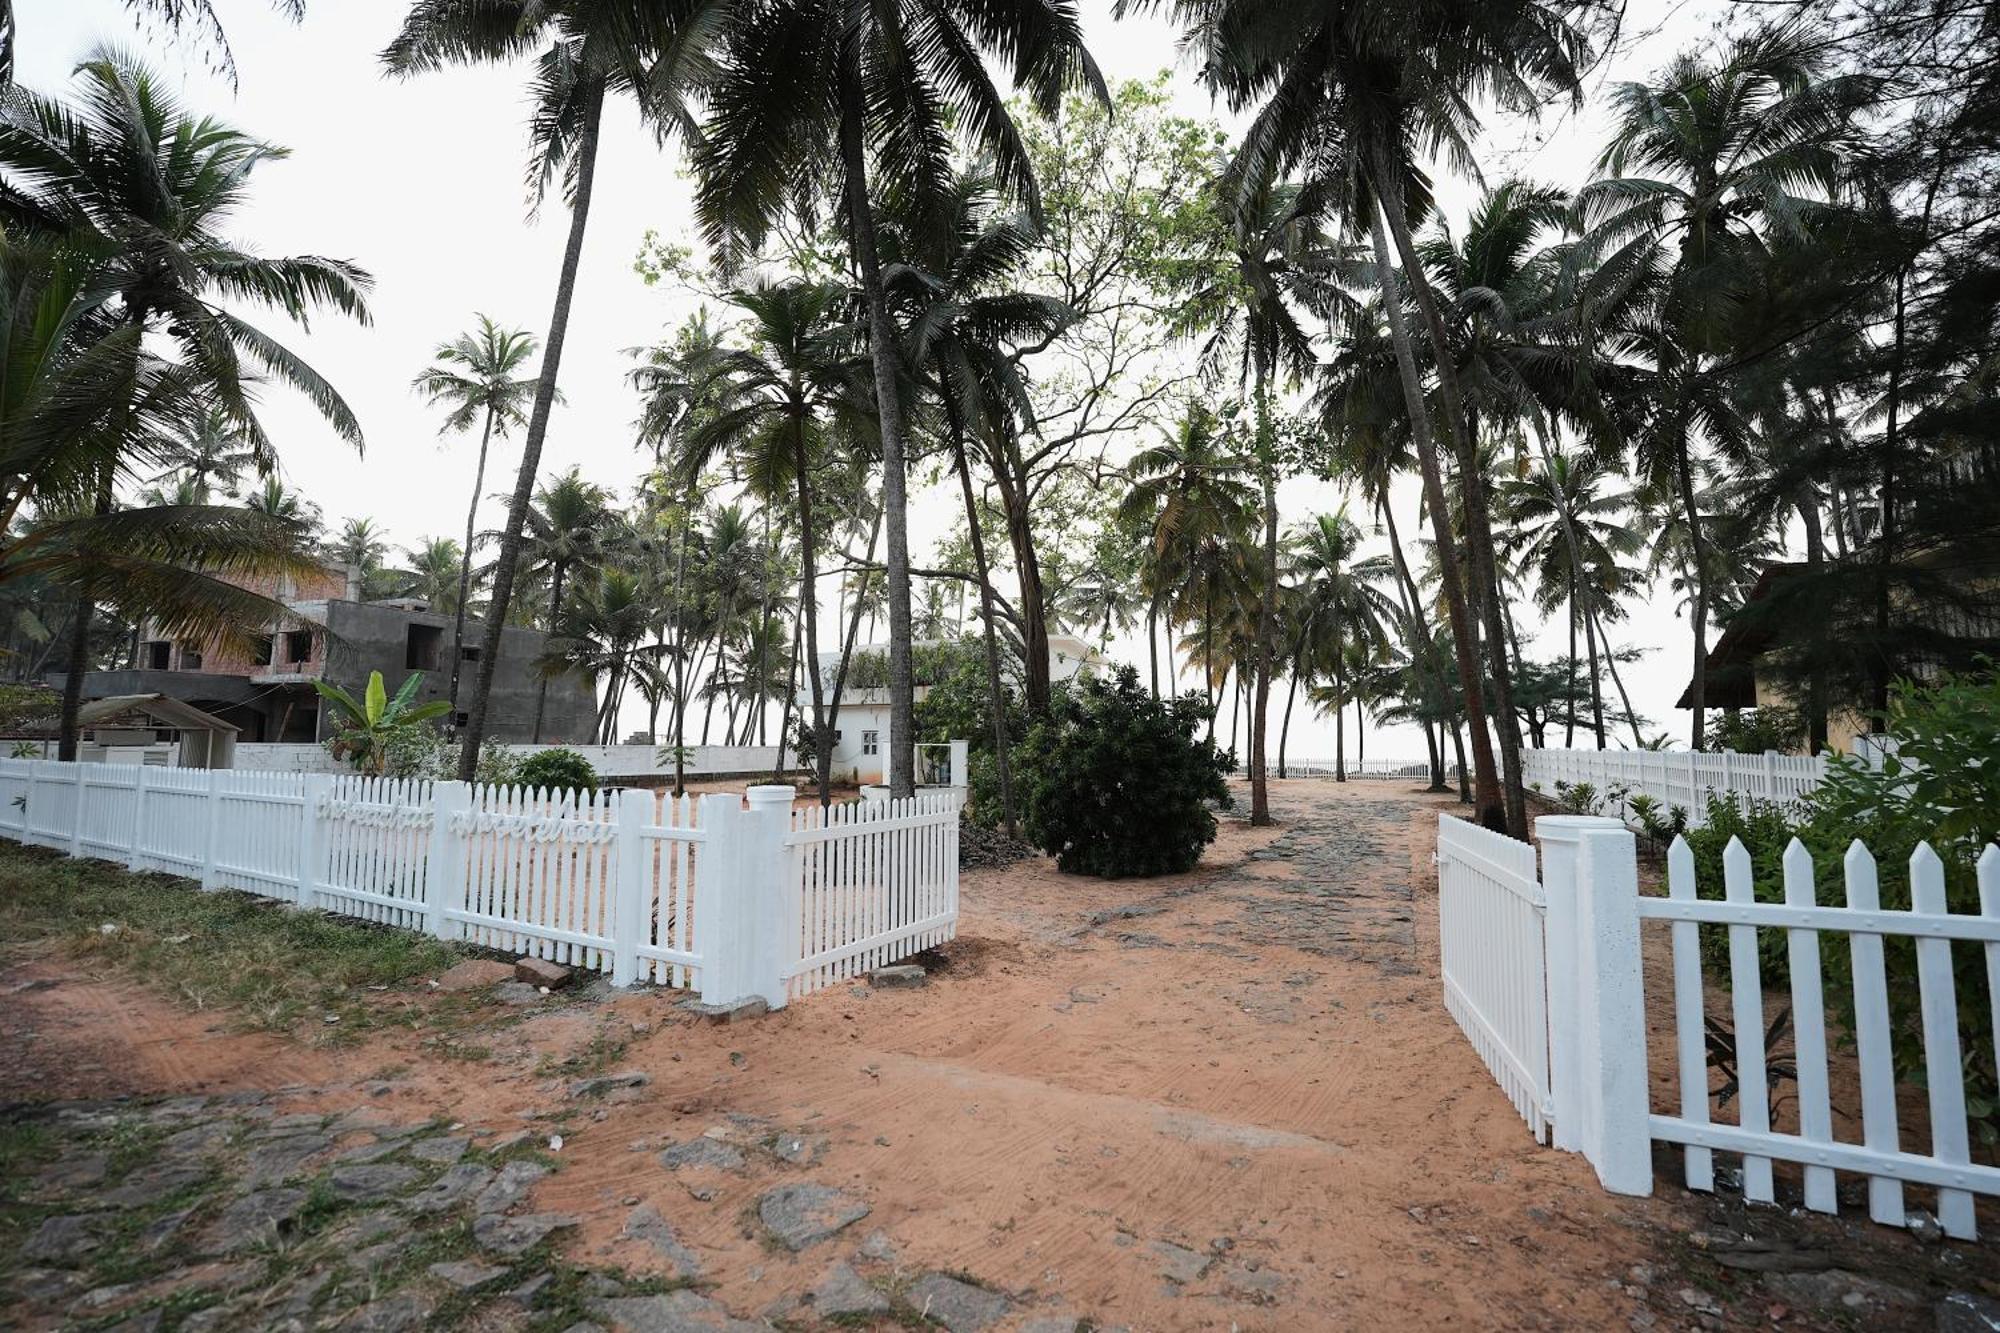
(1226, 1100)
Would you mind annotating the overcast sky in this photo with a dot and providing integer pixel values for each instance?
(421, 183)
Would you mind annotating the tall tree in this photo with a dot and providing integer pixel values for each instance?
(474, 377)
(586, 51)
(811, 90)
(142, 192)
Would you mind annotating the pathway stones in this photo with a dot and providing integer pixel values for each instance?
(959, 1306)
(454, 1187)
(442, 1151)
(703, 1152)
(374, 1182)
(277, 1161)
(67, 1240)
(805, 1213)
(466, 1274)
(512, 1237)
(644, 1223)
(509, 1187)
(845, 1292)
(675, 1312)
(255, 1219)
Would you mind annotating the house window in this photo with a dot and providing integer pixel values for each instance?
(260, 651)
(870, 742)
(298, 645)
(468, 652)
(159, 654)
(190, 659)
(422, 647)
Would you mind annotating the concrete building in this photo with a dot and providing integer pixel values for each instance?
(861, 731)
(267, 691)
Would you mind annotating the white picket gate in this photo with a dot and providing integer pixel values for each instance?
(1492, 946)
(1591, 975)
(871, 882)
(695, 893)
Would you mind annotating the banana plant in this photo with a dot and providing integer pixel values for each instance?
(371, 725)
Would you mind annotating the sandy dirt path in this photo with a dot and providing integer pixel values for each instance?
(1230, 1099)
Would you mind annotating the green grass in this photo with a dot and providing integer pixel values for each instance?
(274, 968)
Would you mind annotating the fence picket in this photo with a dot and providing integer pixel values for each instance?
(1871, 1036)
(1944, 1076)
(1809, 1028)
(1746, 987)
(1989, 905)
(1690, 1042)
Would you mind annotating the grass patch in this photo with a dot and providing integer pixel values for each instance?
(276, 968)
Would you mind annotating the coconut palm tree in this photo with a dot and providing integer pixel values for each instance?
(1731, 148)
(1191, 492)
(949, 288)
(805, 91)
(474, 377)
(656, 51)
(1352, 104)
(142, 193)
(433, 574)
(1572, 533)
(786, 406)
(1278, 268)
(565, 534)
(600, 633)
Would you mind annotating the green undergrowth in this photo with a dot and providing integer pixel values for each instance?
(273, 967)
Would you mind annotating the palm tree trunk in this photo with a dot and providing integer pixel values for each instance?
(70, 731)
(1698, 684)
(1596, 686)
(1267, 612)
(1423, 660)
(1491, 809)
(988, 614)
(465, 580)
(1482, 561)
(556, 573)
(592, 114)
(1569, 686)
(1808, 507)
(1153, 644)
(808, 618)
(1360, 735)
(1285, 727)
(785, 705)
(889, 411)
(847, 651)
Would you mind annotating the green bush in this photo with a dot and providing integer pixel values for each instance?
(1116, 783)
(959, 706)
(557, 770)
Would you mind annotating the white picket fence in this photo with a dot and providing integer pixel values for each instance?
(1591, 977)
(1683, 778)
(731, 898)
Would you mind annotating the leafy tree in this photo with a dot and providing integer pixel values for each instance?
(1115, 783)
(474, 377)
(137, 193)
(804, 92)
(587, 51)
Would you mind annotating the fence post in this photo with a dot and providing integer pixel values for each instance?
(211, 843)
(135, 856)
(1597, 1049)
(314, 790)
(76, 815)
(720, 911)
(961, 766)
(633, 887)
(444, 862)
(774, 938)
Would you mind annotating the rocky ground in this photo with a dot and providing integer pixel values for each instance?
(1226, 1100)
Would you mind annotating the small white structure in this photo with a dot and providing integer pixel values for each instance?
(861, 730)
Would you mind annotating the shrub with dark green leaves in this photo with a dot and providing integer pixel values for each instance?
(557, 770)
(1117, 783)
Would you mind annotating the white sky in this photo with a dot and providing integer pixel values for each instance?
(420, 182)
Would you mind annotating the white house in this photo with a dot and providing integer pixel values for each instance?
(861, 731)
